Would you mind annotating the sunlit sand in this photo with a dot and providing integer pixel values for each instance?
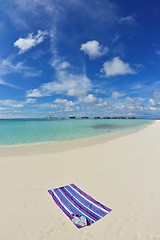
(122, 173)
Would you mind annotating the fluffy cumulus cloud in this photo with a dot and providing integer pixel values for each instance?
(117, 67)
(68, 84)
(24, 44)
(35, 93)
(65, 82)
(125, 106)
(93, 49)
(64, 102)
(117, 94)
(90, 98)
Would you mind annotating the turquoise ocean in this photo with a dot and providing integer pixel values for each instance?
(29, 131)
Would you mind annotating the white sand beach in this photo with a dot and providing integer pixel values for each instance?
(123, 173)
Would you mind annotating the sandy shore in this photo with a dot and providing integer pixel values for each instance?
(122, 173)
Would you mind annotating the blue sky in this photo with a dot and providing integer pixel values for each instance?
(79, 57)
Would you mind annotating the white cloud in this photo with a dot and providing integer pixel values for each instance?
(152, 102)
(106, 11)
(35, 93)
(3, 82)
(11, 103)
(157, 95)
(64, 65)
(7, 67)
(127, 20)
(117, 67)
(30, 100)
(47, 105)
(25, 44)
(133, 103)
(64, 102)
(125, 106)
(93, 49)
(68, 84)
(90, 98)
(117, 94)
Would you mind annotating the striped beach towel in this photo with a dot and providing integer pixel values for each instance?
(79, 207)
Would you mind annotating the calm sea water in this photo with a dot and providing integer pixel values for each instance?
(25, 131)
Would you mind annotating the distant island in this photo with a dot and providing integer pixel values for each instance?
(86, 117)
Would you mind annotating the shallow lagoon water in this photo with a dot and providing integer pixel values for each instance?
(27, 131)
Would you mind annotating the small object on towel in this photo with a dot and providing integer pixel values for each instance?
(80, 208)
(81, 221)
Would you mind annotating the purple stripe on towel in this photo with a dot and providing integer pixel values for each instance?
(90, 198)
(70, 216)
(65, 202)
(95, 209)
(59, 204)
(76, 203)
(70, 205)
(81, 207)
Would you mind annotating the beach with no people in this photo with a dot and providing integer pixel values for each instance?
(79, 120)
(121, 173)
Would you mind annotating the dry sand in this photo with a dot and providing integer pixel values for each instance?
(122, 173)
